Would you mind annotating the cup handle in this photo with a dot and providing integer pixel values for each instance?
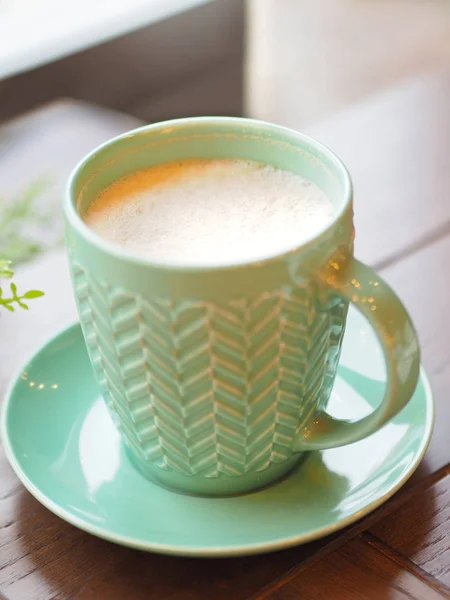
(372, 296)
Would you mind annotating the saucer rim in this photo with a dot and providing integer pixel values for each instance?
(217, 551)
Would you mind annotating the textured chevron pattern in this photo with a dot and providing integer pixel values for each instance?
(210, 388)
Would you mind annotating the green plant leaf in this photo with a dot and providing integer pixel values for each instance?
(33, 294)
(16, 214)
(15, 298)
(5, 268)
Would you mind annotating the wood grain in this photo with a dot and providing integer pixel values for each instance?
(421, 530)
(50, 141)
(395, 146)
(357, 571)
(434, 332)
(47, 143)
(42, 558)
(423, 284)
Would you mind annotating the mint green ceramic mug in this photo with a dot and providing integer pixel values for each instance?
(218, 377)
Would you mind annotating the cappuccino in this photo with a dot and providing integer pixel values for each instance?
(205, 212)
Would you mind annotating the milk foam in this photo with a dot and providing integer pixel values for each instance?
(209, 211)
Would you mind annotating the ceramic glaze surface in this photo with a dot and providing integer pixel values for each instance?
(211, 388)
(72, 459)
(217, 375)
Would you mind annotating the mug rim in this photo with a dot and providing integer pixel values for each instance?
(74, 219)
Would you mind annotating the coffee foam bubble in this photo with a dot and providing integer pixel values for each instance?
(209, 211)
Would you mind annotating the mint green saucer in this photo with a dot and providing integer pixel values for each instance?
(62, 444)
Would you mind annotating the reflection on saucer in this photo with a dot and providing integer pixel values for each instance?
(73, 461)
(99, 447)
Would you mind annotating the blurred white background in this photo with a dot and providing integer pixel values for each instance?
(34, 32)
(309, 58)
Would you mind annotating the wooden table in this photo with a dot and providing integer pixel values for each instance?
(397, 147)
